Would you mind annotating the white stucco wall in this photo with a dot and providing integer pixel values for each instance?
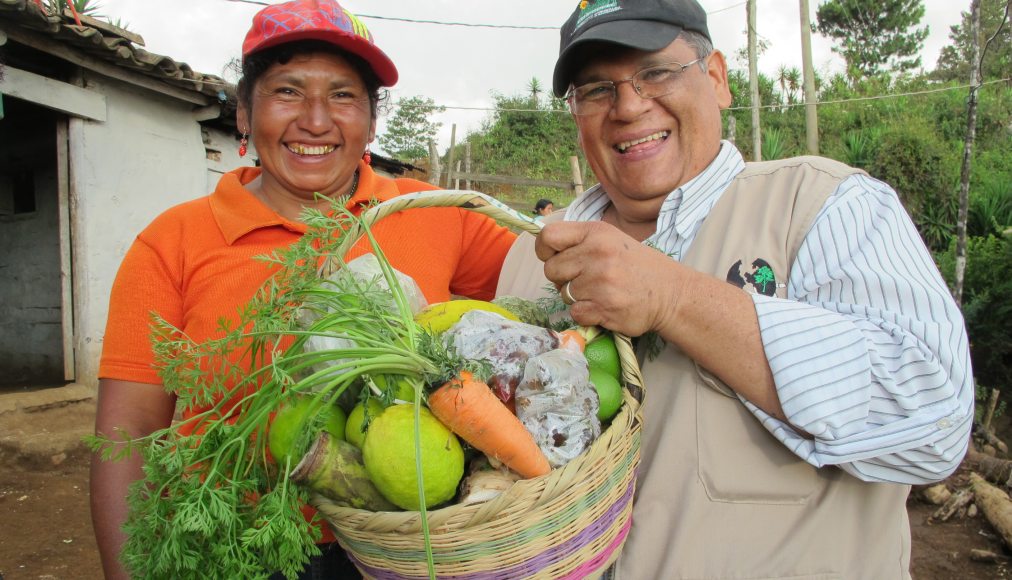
(148, 156)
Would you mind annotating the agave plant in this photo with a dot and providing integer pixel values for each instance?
(936, 224)
(990, 210)
(774, 144)
(82, 7)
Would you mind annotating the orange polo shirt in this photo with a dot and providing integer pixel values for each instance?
(193, 265)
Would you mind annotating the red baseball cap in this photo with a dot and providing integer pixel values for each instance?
(318, 20)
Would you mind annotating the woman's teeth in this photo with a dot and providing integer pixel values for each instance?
(310, 149)
(627, 144)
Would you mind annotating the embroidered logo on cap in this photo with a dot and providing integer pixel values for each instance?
(594, 8)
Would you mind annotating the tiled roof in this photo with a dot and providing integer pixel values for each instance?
(102, 41)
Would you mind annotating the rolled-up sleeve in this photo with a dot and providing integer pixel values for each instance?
(869, 351)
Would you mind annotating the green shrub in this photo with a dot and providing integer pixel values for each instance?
(987, 308)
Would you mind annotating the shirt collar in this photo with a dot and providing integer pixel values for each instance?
(238, 212)
(687, 206)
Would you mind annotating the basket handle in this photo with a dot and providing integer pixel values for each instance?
(495, 209)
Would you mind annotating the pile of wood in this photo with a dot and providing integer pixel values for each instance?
(985, 478)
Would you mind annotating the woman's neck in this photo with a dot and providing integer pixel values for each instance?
(289, 205)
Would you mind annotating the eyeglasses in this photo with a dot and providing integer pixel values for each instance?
(649, 83)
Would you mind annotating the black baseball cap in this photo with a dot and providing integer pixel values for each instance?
(641, 24)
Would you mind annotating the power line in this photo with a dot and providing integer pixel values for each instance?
(776, 106)
(875, 97)
(461, 24)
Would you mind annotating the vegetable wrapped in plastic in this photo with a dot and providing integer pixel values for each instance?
(362, 278)
(505, 344)
(558, 404)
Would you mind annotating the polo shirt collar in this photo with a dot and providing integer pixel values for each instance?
(238, 212)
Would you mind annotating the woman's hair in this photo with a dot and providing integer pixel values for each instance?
(542, 204)
(256, 64)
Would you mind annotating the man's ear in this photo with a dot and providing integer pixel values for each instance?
(716, 69)
(372, 130)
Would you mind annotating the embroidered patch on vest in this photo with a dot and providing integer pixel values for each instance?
(760, 280)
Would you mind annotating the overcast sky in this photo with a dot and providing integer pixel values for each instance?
(463, 66)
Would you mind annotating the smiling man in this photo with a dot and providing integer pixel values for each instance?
(813, 364)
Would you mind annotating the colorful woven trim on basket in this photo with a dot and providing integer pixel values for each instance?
(608, 523)
(546, 558)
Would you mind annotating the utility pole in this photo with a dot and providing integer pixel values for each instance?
(811, 111)
(971, 132)
(753, 84)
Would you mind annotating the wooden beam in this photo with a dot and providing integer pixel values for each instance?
(54, 94)
(46, 45)
(66, 250)
(207, 113)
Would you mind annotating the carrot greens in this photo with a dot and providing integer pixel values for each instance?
(212, 503)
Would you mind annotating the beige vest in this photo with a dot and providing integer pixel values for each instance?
(717, 495)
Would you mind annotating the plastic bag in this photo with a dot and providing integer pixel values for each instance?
(361, 275)
(505, 344)
(558, 404)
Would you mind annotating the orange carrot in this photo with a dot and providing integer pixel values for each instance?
(572, 340)
(472, 411)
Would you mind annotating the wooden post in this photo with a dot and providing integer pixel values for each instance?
(971, 133)
(811, 111)
(64, 209)
(434, 172)
(574, 165)
(992, 404)
(449, 162)
(753, 84)
(732, 128)
(467, 164)
(456, 176)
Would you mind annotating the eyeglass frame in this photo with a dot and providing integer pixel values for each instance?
(678, 69)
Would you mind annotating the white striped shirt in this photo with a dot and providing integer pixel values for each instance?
(868, 351)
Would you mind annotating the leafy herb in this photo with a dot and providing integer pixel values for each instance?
(211, 503)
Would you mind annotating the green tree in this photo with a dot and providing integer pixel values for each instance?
(954, 60)
(410, 128)
(874, 36)
(986, 307)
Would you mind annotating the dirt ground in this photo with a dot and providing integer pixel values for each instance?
(45, 530)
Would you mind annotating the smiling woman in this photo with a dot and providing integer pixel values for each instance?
(312, 78)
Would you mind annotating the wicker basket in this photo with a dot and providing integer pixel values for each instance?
(570, 523)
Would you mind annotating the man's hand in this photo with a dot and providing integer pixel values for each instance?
(617, 282)
(627, 287)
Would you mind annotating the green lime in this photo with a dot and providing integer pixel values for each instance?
(389, 455)
(358, 422)
(402, 386)
(601, 354)
(292, 430)
(609, 391)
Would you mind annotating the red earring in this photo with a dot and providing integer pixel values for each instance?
(367, 157)
(242, 145)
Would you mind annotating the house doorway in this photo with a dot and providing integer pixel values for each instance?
(36, 322)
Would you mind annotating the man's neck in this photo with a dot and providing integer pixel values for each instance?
(638, 229)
